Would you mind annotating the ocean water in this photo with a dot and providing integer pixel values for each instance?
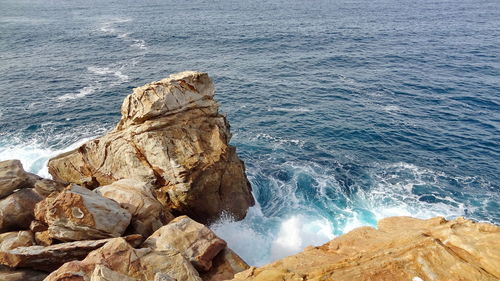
(344, 111)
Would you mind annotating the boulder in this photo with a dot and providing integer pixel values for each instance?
(196, 241)
(224, 266)
(171, 135)
(117, 259)
(77, 213)
(12, 177)
(17, 210)
(402, 248)
(12, 240)
(148, 214)
(51, 257)
(8, 274)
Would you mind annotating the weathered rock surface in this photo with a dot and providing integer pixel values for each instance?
(8, 274)
(45, 187)
(12, 240)
(171, 135)
(17, 210)
(51, 257)
(148, 214)
(196, 241)
(224, 266)
(13, 176)
(77, 213)
(118, 258)
(402, 248)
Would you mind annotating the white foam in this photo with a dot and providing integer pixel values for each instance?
(293, 109)
(280, 141)
(81, 93)
(34, 156)
(103, 71)
(139, 43)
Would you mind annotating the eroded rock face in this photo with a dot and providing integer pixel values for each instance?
(7, 274)
(224, 266)
(148, 214)
(51, 257)
(172, 136)
(402, 248)
(77, 213)
(118, 258)
(196, 241)
(13, 176)
(17, 210)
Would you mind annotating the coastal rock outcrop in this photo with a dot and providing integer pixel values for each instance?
(171, 135)
(148, 214)
(77, 213)
(195, 241)
(118, 259)
(17, 209)
(402, 248)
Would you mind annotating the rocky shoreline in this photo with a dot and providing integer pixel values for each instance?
(135, 204)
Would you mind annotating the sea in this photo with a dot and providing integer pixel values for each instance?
(344, 111)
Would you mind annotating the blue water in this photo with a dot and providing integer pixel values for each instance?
(345, 112)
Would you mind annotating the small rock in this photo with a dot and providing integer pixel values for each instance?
(77, 213)
(148, 214)
(45, 187)
(196, 241)
(17, 210)
(224, 266)
(12, 240)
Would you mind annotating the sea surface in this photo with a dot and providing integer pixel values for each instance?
(344, 111)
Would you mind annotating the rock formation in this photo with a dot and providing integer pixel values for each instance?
(13, 176)
(118, 258)
(172, 136)
(51, 257)
(77, 213)
(195, 241)
(148, 214)
(402, 248)
(16, 210)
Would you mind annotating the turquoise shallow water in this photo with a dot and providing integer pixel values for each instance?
(345, 112)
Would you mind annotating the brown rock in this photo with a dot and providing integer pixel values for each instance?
(38, 226)
(118, 258)
(148, 214)
(45, 187)
(224, 266)
(196, 241)
(7, 274)
(43, 238)
(12, 177)
(17, 210)
(77, 213)
(171, 135)
(402, 248)
(51, 257)
(12, 240)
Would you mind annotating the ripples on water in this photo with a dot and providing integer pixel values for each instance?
(344, 112)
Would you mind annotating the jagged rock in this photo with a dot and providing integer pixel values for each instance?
(120, 259)
(12, 177)
(196, 241)
(17, 210)
(12, 240)
(37, 226)
(148, 214)
(224, 266)
(43, 238)
(51, 257)
(402, 248)
(171, 135)
(77, 213)
(8, 274)
(45, 187)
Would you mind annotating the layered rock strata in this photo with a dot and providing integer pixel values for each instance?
(402, 248)
(171, 135)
